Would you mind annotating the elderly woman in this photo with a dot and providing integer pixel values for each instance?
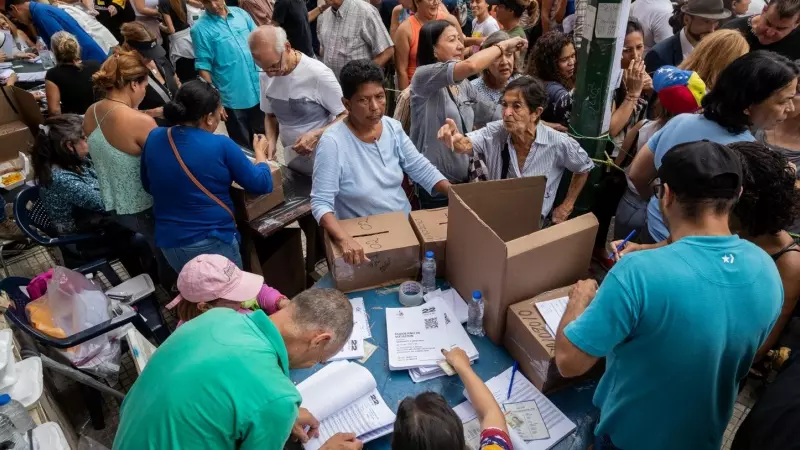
(440, 90)
(520, 146)
(361, 160)
(68, 86)
(499, 73)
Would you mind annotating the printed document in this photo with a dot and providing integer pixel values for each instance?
(416, 336)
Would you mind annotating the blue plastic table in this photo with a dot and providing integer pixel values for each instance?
(575, 401)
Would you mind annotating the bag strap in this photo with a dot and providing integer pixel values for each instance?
(506, 155)
(464, 129)
(194, 180)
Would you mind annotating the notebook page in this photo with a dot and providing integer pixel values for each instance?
(362, 417)
(552, 311)
(335, 387)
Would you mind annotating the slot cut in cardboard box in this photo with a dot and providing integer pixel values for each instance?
(251, 206)
(530, 343)
(430, 226)
(389, 243)
(494, 245)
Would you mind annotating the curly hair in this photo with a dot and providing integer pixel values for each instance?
(769, 202)
(543, 62)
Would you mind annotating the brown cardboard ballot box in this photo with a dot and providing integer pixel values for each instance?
(19, 121)
(530, 343)
(430, 225)
(389, 243)
(494, 245)
(251, 206)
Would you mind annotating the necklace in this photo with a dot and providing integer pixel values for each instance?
(118, 101)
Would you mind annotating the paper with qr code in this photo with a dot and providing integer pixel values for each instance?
(526, 419)
(354, 348)
(416, 336)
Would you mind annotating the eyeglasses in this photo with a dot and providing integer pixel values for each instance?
(277, 67)
(658, 190)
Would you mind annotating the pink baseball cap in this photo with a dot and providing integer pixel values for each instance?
(209, 277)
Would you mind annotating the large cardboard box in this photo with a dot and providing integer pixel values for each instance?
(494, 245)
(430, 226)
(251, 206)
(389, 243)
(531, 344)
(20, 118)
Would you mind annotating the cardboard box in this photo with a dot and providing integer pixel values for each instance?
(430, 226)
(389, 243)
(251, 206)
(494, 245)
(19, 122)
(531, 344)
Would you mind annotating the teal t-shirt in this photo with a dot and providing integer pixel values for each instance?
(679, 326)
(221, 381)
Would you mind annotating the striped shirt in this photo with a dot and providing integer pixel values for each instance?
(552, 152)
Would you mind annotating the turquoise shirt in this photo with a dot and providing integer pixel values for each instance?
(679, 326)
(221, 381)
(220, 47)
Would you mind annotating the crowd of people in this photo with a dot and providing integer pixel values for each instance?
(703, 139)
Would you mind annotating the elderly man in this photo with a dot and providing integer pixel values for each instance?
(775, 29)
(222, 58)
(221, 381)
(351, 30)
(299, 95)
(521, 146)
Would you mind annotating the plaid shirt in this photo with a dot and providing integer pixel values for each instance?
(354, 31)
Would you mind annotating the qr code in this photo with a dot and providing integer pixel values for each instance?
(431, 323)
(353, 344)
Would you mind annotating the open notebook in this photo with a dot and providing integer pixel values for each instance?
(344, 397)
(558, 425)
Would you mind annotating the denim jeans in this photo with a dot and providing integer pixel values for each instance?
(179, 256)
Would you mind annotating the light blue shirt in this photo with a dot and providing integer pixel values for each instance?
(220, 47)
(680, 130)
(356, 179)
(679, 327)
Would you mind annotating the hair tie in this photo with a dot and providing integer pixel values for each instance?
(45, 129)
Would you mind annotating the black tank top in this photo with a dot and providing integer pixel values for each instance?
(793, 247)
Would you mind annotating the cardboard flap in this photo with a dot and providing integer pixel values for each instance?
(275, 171)
(497, 203)
(380, 232)
(431, 224)
(29, 111)
(553, 234)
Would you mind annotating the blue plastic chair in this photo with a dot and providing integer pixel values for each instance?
(33, 220)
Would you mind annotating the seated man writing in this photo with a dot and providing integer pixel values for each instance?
(299, 95)
(361, 160)
(521, 146)
(221, 381)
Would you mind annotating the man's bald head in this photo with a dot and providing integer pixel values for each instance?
(267, 44)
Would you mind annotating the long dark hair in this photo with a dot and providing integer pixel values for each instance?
(544, 58)
(747, 81)
(428, 37)
(193, 101)
(51, 147)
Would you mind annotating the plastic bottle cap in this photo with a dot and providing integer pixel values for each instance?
(477, 295)
(429, 254)
(4, 399)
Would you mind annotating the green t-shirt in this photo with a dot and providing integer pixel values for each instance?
(221, 381)
(517, 31)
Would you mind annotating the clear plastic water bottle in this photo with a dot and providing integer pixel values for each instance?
(17, 413)
(428, 273)
(475, 315)
(48, 61)
(10, 437)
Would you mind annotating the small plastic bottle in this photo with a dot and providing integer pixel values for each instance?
(17, 413)
(48, 61)
(428, 273)
(475, 315)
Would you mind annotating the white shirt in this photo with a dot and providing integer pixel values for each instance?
(91, 26)
(483, 30)
(686, 46)
(756, 7)
(309, 97)
(654, 16)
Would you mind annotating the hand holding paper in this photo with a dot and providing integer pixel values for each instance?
(306, 426)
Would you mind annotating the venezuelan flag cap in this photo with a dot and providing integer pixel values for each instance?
(679, 91)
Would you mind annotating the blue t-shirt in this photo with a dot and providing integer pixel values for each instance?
(48, 20)
(679, 326)
(680, 130)
(184, 214)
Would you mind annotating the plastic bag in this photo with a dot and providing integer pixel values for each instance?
(74, 304)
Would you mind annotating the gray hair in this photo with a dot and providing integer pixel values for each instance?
(326, 309)
(495, 38)
(267, 32)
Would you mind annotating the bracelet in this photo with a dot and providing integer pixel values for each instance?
(632, 98)
(499, 48)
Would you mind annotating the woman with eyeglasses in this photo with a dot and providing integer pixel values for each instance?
(189, 170)
(406, 39)
(440, 90)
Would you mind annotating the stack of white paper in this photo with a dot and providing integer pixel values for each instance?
(552, 311)
(354, 405)
(546, 423)
(354, 348)
(453, 300)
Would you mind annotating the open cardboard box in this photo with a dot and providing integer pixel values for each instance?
(251, 206)
(430, 226)
(389, 243)
(530, 343)
(20, 118)
(494, 245)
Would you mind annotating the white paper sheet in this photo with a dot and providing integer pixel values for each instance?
(416, 336)
(552, 311)
(453, 300)
(362, 417)
(558, 425)
(532, 426)
(32, 76)
(351, 382)
(354, 348)
(457, 337)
